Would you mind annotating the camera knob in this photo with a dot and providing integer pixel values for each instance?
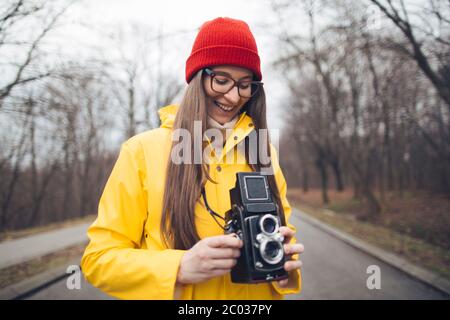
(279, 237)
(230, 227)
(259, 238)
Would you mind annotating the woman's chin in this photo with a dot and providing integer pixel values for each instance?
(220, 119)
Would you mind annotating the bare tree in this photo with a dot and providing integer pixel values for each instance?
(399, 15)
(139, 84)
(13, 15)
(359, 99)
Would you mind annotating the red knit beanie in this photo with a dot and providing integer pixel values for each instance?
(224, 41)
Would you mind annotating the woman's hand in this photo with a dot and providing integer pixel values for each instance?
(289, 250)
(210, 257)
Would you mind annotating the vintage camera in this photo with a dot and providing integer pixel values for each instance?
(254, 219)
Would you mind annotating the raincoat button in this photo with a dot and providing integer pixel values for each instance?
(235, 137)
(250, 124)
(219, 168)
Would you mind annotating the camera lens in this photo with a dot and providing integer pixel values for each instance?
(269, 224)
(272, 251)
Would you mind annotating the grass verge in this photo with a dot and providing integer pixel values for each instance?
(17, 273)
(16, 234)
(417, 251)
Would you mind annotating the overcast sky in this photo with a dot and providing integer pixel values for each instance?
(170, 16)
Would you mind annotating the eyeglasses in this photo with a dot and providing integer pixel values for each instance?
(221, 83)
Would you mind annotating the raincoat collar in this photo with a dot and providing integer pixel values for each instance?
(242, 128)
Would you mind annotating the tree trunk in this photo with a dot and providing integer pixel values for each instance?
(323, 179)
(335, 165)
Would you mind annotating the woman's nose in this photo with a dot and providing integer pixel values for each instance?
(233, 95)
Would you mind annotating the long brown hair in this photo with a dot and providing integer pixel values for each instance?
(184, 182)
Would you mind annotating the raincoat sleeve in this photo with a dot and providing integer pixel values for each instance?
(295, 278)
(113, 260)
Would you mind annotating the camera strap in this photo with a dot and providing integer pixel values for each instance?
(211, 211)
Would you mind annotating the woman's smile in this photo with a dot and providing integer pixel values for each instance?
(223, 107)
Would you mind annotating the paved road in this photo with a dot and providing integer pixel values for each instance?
(332, 269)
(14, 252)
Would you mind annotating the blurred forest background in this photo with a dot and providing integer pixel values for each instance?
(366, 108)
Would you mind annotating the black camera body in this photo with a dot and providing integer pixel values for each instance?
(254, 219)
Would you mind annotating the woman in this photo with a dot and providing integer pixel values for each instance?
(154, 238)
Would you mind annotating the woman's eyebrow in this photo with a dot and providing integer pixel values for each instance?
(229, 75)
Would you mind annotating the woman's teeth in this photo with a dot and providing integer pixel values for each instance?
(224, 108)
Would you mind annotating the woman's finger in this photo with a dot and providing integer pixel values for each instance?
(221, 264)
(224, 253)
(287, 233)
(283, 283)
(294, 248)
(292, 265)
(223, 241)
(218, 272)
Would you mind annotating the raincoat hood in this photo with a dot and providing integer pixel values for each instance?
(167, 115)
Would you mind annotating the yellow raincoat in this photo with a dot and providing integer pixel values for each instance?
(126, 258)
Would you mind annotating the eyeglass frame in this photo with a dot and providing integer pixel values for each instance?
(212, 74)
